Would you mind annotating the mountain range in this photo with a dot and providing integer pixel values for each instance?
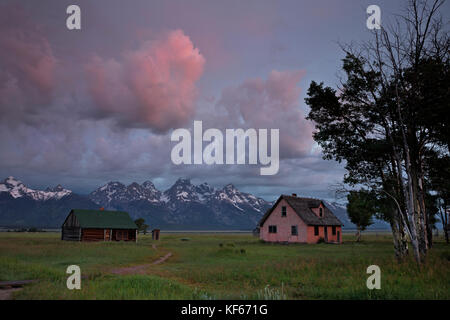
(184, 206)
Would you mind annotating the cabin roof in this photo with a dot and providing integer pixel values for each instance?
(303, 208)
(103, 219)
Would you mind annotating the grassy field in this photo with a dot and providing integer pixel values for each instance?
(220, 266)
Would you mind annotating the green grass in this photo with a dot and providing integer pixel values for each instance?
(221, 266)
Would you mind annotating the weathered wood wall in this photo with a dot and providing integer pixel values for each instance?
(96, 234)
(71, 233)
(71, 221)
(92, 234)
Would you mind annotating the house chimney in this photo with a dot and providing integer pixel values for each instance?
(294, 194)
(101, 209)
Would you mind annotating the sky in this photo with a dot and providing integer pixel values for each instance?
(84, 107)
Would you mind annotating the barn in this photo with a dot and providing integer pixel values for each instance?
(295, 219)
(98, 225)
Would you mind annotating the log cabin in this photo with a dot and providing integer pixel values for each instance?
(294, 219)
(98, 225)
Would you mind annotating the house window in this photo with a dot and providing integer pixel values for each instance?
(283, 211)
(333, 230)
(121, 235)
(320, 212)
(316, 230)
(294, 231)
(272, 229)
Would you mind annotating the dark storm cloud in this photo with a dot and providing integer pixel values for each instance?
(270, 103)
(27, 66)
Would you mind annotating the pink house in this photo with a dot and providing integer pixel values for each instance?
(301, 220)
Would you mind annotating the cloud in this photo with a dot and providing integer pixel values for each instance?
(49, 125)
(108, 152)
(151, 87)
(270, 103)
(56, 127)
(27, 64)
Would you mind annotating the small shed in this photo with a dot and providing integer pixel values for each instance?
(98, 225)
(155, 234)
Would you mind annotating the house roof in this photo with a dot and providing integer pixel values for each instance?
(303, 208)
(104, 219)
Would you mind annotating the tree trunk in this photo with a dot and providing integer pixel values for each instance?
(410, 221)
(410, 194)
(444, 219)
(399, 238)
(429, 233)
(358, 234)
(419, 200)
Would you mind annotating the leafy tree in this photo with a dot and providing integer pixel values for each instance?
(360, 209)
(389, 114)
(142, 227)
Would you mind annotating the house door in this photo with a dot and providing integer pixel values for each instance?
(325, 229)
(339, 236)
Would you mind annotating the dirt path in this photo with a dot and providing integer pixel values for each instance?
(140, 269)
(6, 294)
(7, 288)
(162, 259)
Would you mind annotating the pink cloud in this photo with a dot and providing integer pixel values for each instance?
(271, 103)
(153, 86)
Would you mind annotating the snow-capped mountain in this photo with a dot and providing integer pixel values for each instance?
(184, 204)
(177, 196)
(183, 191)
(204, 190)
(21, 206)
(241, 200)
(17, 189)
(116, 192)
